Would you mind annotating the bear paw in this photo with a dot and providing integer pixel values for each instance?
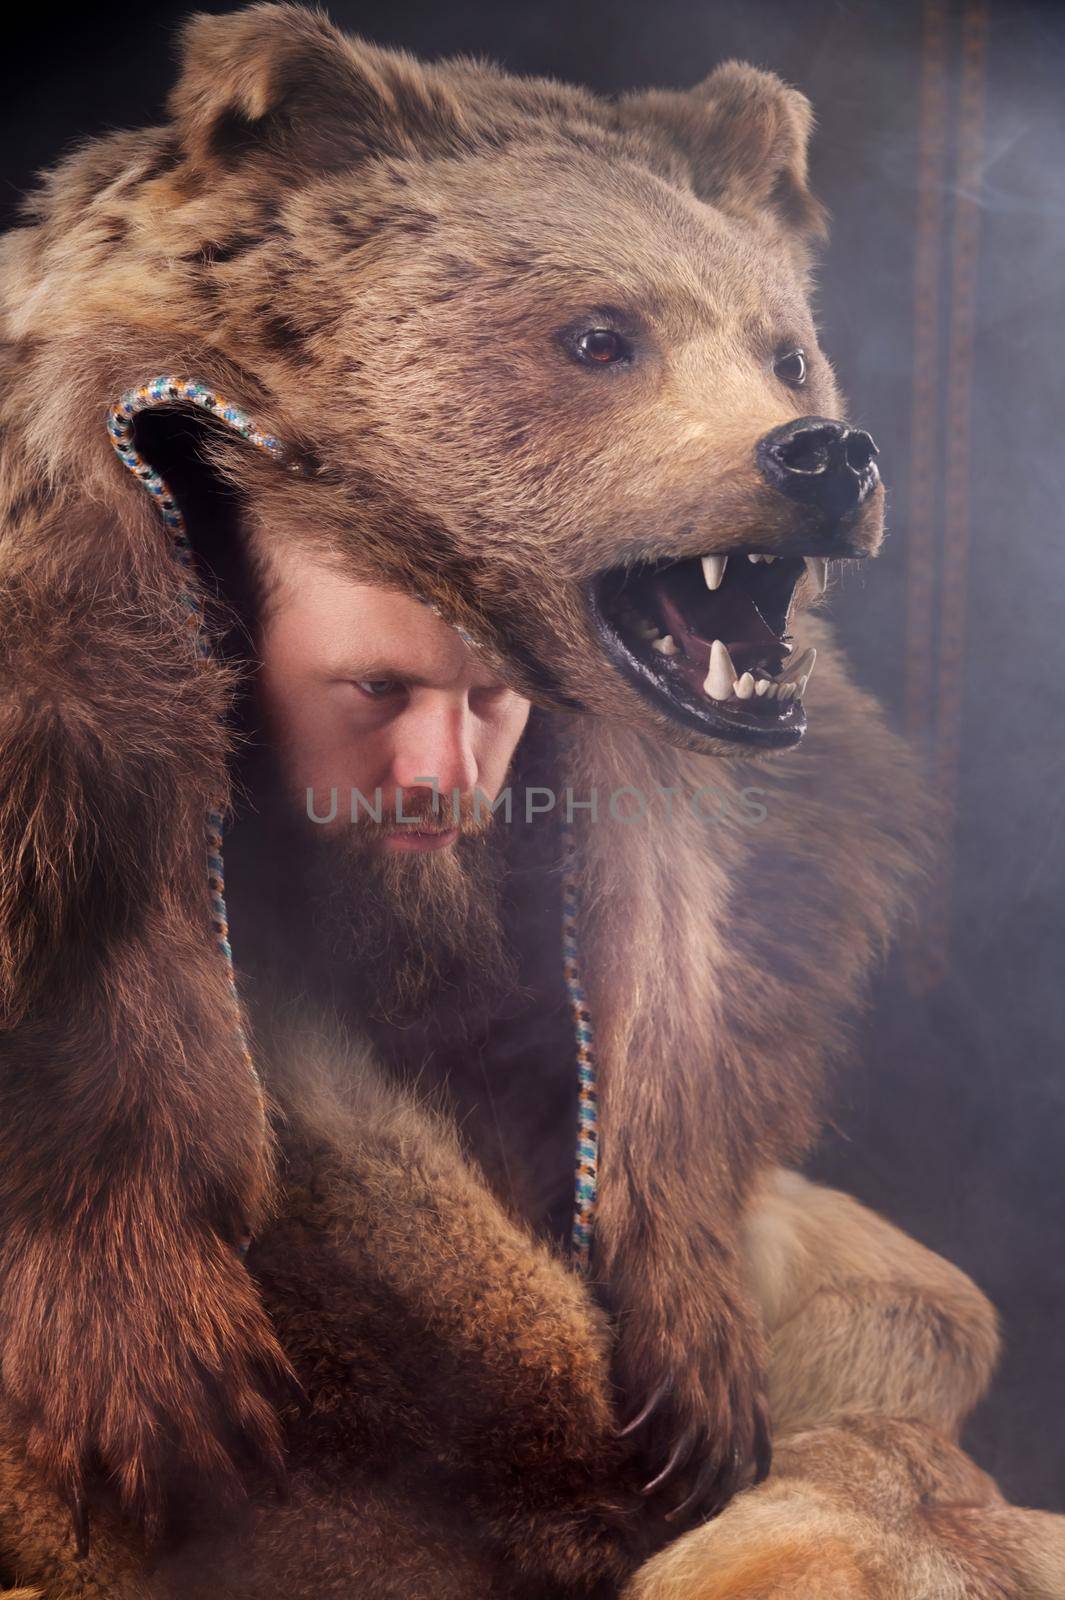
(129, 1376)
(703, 1426)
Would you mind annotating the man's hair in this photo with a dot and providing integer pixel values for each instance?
(262, 580)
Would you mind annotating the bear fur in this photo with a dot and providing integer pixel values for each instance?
(422, 1402)
(369, 254)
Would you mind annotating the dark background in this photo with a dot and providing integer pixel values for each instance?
(941, 153)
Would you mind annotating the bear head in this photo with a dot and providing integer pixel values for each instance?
(543, 358)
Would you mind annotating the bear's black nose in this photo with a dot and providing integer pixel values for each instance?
(820, 463)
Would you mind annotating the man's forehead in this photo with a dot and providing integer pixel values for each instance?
(356, 626)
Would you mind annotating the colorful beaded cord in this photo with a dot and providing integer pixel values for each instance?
(172, 391)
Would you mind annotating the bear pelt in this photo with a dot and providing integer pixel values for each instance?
(381, 260)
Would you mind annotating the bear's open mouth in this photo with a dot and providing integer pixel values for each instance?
(706, 640)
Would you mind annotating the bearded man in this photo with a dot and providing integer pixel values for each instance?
(371, 874)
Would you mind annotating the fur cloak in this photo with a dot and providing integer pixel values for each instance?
(364, 252)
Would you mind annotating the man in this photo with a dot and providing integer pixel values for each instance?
(425, 916)
(369, 698)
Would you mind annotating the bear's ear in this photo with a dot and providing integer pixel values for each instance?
(282, 81)
(745, 135)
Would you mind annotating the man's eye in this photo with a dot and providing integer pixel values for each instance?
(378, 688)
(485, 696)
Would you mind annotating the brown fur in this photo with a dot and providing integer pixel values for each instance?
(460, 1444)
(866, 1510)
(114, 1006)
(879, 1350)
(371, 255)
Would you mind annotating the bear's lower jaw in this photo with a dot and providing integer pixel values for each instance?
(705, 640)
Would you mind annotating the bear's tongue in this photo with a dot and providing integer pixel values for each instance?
(696, 616)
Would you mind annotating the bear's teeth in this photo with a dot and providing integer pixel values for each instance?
(744, 687)
(722, 674)
(714, 570)
(647, 630)
(817, 567)
(802, 666)
(763, 686)
(665, 646)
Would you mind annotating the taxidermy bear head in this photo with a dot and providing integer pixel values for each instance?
(544, 359)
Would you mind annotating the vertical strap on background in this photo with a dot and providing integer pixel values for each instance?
(949, 181)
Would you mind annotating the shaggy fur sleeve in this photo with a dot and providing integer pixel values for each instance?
(131, 1338)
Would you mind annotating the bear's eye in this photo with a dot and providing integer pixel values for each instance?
(790, 368)
(602, 347)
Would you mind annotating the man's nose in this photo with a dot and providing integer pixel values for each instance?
(820, 463)
(435, 744)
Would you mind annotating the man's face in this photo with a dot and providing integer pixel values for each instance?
(366, 691)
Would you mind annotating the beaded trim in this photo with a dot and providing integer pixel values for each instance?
(586, 1182)
(168, 391)
(175, 391)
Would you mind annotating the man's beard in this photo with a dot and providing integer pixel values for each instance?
(407, 929)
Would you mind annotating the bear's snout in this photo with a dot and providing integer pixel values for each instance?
(820, 463)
